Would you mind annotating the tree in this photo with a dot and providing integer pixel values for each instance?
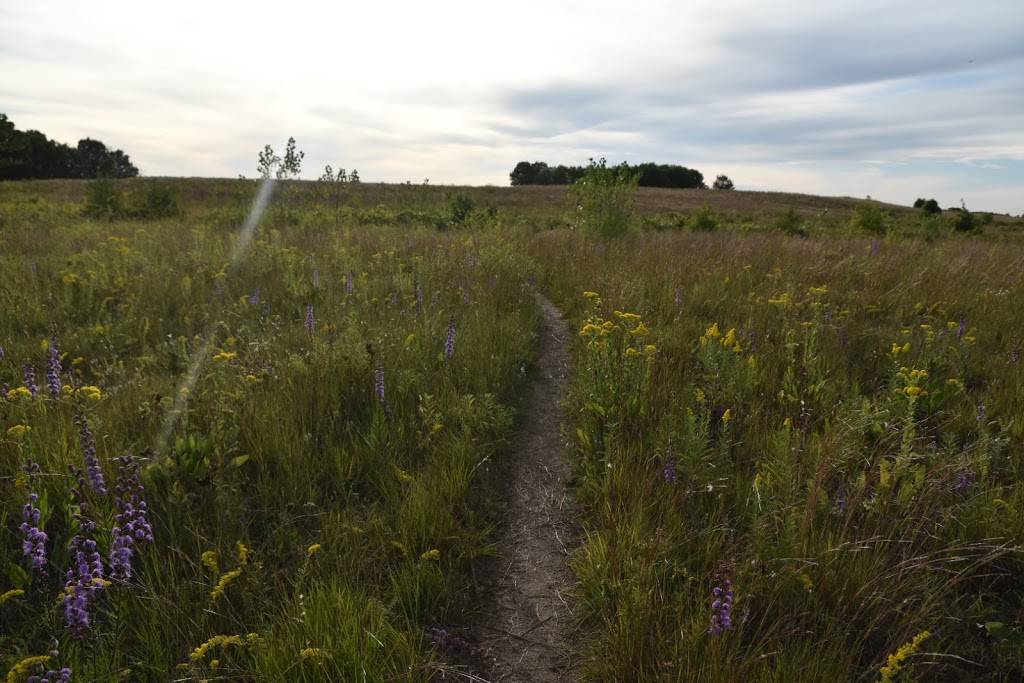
(723, 182)
(267, 162)
(30, 154)
(291, 165)
(353, 177)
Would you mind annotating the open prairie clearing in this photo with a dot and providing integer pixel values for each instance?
(770, 458)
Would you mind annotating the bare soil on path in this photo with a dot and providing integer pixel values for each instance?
(523, 628)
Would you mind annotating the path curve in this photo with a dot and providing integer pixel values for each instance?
(525, 622)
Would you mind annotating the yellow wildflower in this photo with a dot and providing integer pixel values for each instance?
(970, 339)
(632, 352)
(640, 331)
(751, 361)
(18, 431)
(313, 550)
(90, 392)
(216, 641)
(252, 379)
(650, 349)
(13, 593)
(592, 295)
(243, 554)
(955, 383)
(223, 582)
(912, 391)
(699, 395)
(225, 356)
(952, 325)
(209, 560)
(628, 317)
(434, 554)
(410, 340)
(21, 669)
(906, 348)
(818, 291)
(311, 652)
(78, 361)
(787, 423)
(895, 662)
(19, 392)
(713, 332)
(727, 416)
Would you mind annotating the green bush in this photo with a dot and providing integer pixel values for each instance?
(103, 200)
(869, 217)
(963, 220)
(703, 219)
(604, 199)
(459, 208)
(788, 221)
(158, 200)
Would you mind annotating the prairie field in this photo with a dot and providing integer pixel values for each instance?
(250, 445)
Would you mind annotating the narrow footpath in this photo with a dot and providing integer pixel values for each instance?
(525, 619)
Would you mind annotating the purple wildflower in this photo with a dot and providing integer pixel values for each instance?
(310, 320)
(3, 354)
(350, 284)
(1015, 356)
(394, 298)
(29, 372)
(964, 481)
(669, 471)
(254, 298)
(874, 247)
(721, 608)
(961, 329)
(92, 463)
(34, 545)
(53, 370)
(378, 382)
(51, 676)
(449, 341)
(448, 642)
(132, 526)
(83, 580)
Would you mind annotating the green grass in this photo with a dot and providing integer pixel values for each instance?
(853, 504)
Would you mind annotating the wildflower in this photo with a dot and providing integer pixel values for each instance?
(1015, 356)
(711, 333)
(378, 382)
(449, 341)
(699, 396)
(669, 471)
(223, 642)
(53, 370)
(13, 593)
(896, 661)
(433, 554)
(209, 560)
(18, 392)
(593, 296)
(225, 356)
(313, 550)
(679, 297)
(34, 545)
(721, 608)
(311, 653)
(350, 285)
(29, 373)
(224, 581)
(913, 391)
(82, 580)
(92, 464)
(18, 432)
(964, 481)
(24, 666)
(961, 328)
(254, 298)
(727, 416)
(448, 642)
(132, 526)
(310, 320)
(90, 392)
(52, 676)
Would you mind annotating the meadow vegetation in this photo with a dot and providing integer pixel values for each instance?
(796, 424)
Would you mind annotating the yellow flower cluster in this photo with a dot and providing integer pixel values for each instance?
(313, 550)
(225, 356)
(897, 349)
(18, 432)
(312, 653)
(911, 380)
(228, 577)
(93, 393)
(21, 669)
(18, 392)
(728, 341)
(13, 593)
(223, 641)
(896, 661)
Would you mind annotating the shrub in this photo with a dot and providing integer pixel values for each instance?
(103, 200)
(963, 220)
(158, 200)
(931, 207)
(459, 208)
(604, 198)
(869, 217)
(703, 219)
(788, 221)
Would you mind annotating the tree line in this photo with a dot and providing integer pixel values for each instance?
(31, 155)
(648, 174)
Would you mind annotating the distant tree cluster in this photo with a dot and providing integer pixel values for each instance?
(928, 206)
(31, 155)
(648, 174)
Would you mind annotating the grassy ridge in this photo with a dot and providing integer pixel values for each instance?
(313, 512)
(833, 427)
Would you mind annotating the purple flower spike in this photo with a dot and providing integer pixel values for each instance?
(964, 481)
(34, 544)
(92, 463)
(51, 676)
(721, 609)
(254, 298)
(449, 341)
(378, 382)
(132, 525)
(53, 370)
(310, 320)
(82, 582)
(669, 471)
(350, 284)
(29, 372)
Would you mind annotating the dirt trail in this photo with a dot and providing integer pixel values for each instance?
(523, 628)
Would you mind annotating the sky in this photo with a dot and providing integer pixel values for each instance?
(889, 100)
